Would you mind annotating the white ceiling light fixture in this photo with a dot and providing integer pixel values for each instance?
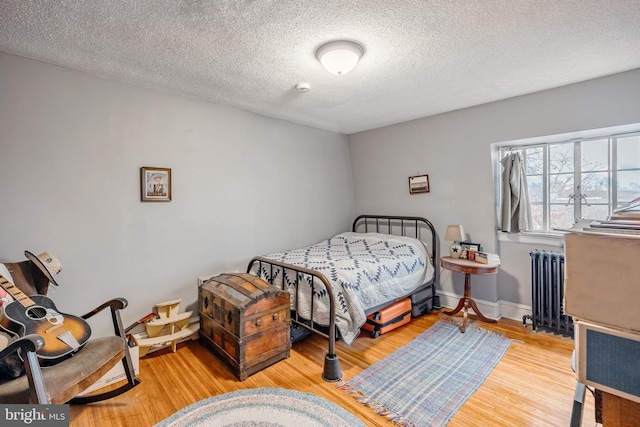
(340, 56)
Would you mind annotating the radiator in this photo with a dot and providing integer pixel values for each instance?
(547, 299)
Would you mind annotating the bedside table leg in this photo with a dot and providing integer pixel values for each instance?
(463, 326)
(464, 303)
(480, 315)
(467, 303)
(456, 310)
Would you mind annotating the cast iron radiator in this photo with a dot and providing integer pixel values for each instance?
(547, 286)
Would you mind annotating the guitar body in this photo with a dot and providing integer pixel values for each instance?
(63, 334)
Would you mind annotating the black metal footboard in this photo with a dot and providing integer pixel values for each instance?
(331, 370)
(396, 225)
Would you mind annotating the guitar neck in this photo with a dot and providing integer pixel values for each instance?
(16, 293)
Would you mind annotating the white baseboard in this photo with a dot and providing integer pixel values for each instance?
(515, 311)
(492, 310)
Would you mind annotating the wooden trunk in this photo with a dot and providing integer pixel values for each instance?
(244, 321)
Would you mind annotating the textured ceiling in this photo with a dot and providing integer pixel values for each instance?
(422, 57)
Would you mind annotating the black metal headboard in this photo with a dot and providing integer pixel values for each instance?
(412, 226)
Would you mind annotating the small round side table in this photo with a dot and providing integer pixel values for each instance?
(468, 268)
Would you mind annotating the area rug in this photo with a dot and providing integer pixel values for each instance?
(425, 382)
(263, 407)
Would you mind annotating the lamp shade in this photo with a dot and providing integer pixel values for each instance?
(339, 57)
(455, 233)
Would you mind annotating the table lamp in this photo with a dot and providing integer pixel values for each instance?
(455, 234)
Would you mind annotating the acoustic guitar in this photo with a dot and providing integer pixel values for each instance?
(63, 334)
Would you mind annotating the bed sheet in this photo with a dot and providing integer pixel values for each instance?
(365, 270)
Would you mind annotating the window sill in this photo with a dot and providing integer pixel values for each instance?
(547, 239)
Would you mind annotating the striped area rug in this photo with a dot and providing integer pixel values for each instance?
(425, 382)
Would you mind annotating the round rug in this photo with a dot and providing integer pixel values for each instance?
(263, 407)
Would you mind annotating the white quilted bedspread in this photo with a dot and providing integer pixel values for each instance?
(364, 269)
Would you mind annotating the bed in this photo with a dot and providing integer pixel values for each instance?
(336, 283)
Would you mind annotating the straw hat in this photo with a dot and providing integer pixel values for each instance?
(47, 263)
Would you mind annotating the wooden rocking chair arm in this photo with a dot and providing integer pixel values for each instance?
(32, 343)
(114, 304)
(27, 347)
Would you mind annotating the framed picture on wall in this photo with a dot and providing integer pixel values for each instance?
(418, 184)
(155, 184)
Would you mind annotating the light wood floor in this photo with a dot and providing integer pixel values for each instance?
(533, 385)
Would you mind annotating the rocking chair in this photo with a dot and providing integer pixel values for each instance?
(64, 381)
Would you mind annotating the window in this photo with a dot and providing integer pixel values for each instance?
(579, 178)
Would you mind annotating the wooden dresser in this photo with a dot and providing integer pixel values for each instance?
(244, 321)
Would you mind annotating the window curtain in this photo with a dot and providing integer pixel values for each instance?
(515, 209)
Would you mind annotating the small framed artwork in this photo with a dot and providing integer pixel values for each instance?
(155, 184)
(418, 184)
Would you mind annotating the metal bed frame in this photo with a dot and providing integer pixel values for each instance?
(371, 223)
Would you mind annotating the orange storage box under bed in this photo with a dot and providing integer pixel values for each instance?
(388, 318)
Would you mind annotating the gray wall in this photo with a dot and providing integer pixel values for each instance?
(454, 149)
(71, 146)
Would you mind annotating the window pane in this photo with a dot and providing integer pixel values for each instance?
(595, 155)
(533, 161)
(561, 216)
(628, 186)
(560, 187)
(629, 152)
(537, 217)
(595, 185)
(536, 189)
(551, 170)
(599, 212)
(561, 158)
